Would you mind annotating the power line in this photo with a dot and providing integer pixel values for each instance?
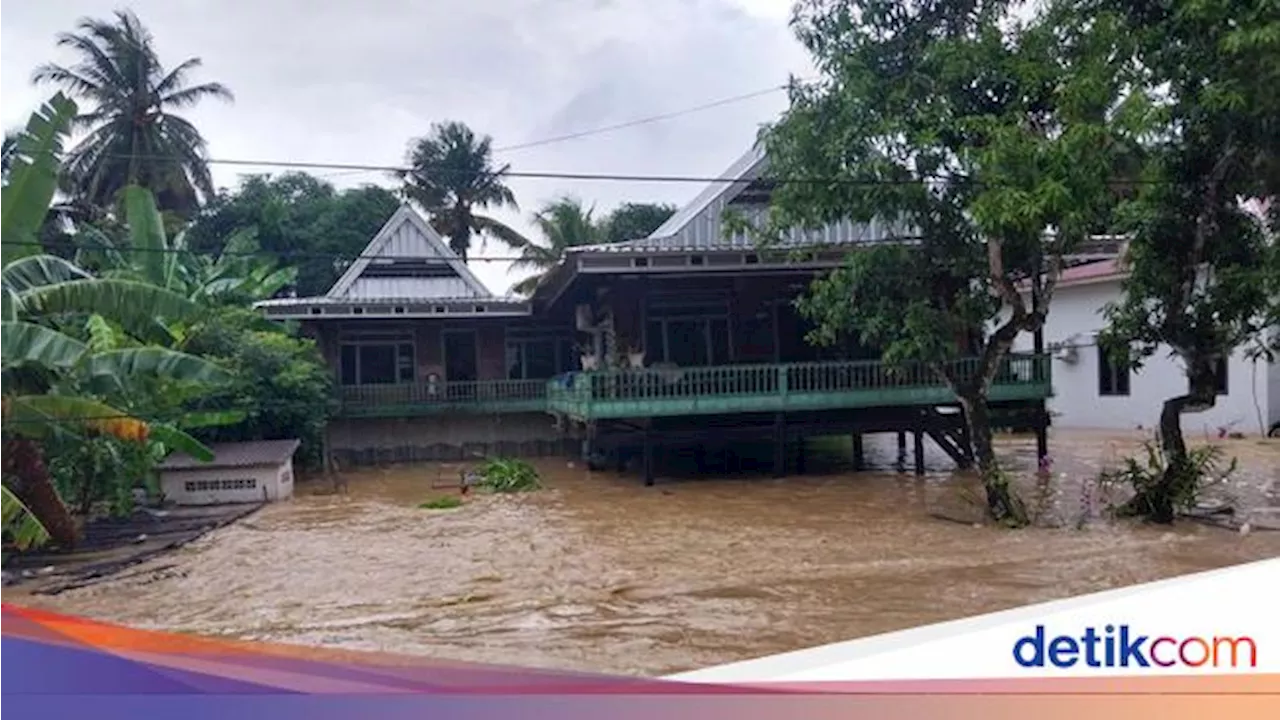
(643, 121)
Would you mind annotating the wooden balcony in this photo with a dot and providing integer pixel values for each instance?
(422, 398)
(794, 387)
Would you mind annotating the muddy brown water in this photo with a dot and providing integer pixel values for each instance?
(597, 572)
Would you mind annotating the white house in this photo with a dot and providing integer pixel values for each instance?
(243, 472)
(1089, 392)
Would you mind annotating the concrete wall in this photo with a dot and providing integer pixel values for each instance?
(1077, 312)
(369, 441)
(270, 483)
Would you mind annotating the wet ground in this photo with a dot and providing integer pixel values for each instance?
(597, 572)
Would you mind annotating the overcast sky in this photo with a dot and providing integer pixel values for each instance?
(347, 81)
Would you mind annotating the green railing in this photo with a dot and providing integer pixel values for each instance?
(779, 387)
(425, 398)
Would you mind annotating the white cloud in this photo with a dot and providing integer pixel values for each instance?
(333, 80)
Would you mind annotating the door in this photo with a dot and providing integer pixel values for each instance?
(460, 361)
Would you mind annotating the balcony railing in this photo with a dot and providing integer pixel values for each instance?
(423, 398)
(779, 387)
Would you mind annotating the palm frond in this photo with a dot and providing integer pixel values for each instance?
(499, 230)
(188, 97)
(40, 416)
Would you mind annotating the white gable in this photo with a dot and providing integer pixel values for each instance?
(407, 259)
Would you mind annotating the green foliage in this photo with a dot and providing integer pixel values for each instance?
(133, 136)
(444, 502)
(563, 223)
(297, 220)
(281, 384)
(21, 527)
(32, 176)
(451, 175)
(94, 470)
(967, 135)
(508, 475)
(1201, 470)
(633, 221)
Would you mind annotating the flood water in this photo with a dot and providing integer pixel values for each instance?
(597, 572)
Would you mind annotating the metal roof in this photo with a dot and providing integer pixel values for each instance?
(405, 238)
(259, 453)
(699, 225)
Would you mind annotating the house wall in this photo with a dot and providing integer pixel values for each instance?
(427, 336)
(1076, 316)
(272, 483)
(369, 441)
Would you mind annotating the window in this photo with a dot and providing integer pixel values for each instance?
(1113, 379)
(215, 485)
(537, 358)
(688, 341)
(377, 363)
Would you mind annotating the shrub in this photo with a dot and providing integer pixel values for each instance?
(508, 475)
(1203, 470)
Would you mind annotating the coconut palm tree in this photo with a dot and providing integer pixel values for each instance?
(133, 135)
(452, 174)
(564, 223)
(53, 383)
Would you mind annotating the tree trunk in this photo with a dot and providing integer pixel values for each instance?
(30, 481)
(1003, 504)
(1157, 503)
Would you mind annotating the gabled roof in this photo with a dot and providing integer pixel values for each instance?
(392, 266)
(258, 453)
(699, 225)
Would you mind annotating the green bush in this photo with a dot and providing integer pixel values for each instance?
(444, 502)
(508, 475)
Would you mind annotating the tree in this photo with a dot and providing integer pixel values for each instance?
(564, 223)
(975, 134)
(298, 220)
(633, 221)
(451, 175)
(54, 384)
(9, 150)
(144, 252)
(133, 135)
(1203, 276)
(282, 388)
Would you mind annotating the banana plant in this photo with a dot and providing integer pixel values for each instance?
(45, 370)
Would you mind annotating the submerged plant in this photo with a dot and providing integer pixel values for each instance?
(1199, 472)
(507, 475)
(444, 502)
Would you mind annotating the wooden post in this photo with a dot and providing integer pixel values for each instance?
(1042, 432)
(800, 458)
(620, 459)
(779, 446)
(902, 449)
(648, 459)
(919, 451)
(1042, 436)
(858, 456)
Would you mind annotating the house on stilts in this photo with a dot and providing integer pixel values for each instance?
(626, 351)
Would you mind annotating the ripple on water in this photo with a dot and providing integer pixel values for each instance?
(601, 573)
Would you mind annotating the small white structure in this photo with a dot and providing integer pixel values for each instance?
(1090, 392)
(243, 472)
